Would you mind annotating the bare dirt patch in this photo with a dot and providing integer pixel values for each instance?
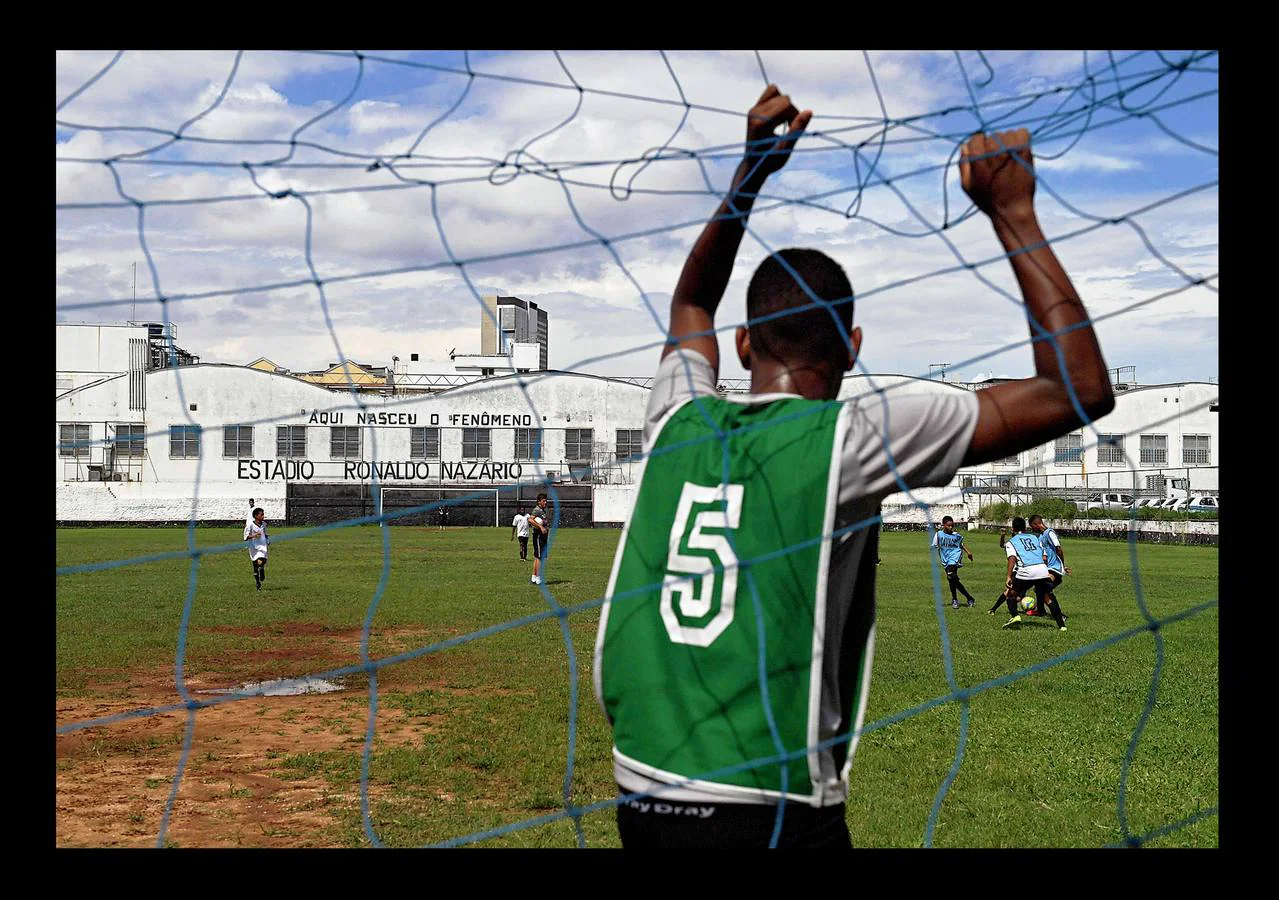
(113, 781)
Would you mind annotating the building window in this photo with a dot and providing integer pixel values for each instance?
(1068, 450)
(1195, 450)
(475, 443)
(629, 443)
(577, 443)
(344, 442)
(1110, 450)
(73, 441)
(1014, 460)
(1154, 449)
(130, 441)
(184, 441)
(237, 441)
(290, 441)
(424, 443)
(528, 443)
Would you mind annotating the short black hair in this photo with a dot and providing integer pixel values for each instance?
(1036, 518)
(258, 509)
(945, 519)
(1019, 524)
(811, 334)
(541, 496)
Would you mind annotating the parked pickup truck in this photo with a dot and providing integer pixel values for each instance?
(1108, 500)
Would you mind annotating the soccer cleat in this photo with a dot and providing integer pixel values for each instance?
(259, 585)
(954, 605)
(1014, 622)
(971, 604)
(1063, 628)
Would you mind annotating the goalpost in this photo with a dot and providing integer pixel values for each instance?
(441, 493)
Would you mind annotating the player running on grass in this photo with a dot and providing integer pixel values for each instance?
(255, 534)
(1007, 591)
(519, 526)
(739, 616)
(949, 544)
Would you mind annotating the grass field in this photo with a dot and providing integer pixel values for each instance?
(475, 736)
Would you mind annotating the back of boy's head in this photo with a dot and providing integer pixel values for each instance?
(810, 335)
(1019, 524)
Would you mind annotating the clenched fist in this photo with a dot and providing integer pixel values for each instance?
(997, 183)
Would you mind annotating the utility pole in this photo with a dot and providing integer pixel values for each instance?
(941, 366)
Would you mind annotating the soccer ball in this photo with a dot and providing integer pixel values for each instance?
(1026, 604)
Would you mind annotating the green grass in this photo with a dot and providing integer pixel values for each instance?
(1042, 760)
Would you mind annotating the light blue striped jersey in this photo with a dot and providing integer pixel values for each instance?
(950, 547)
(1029, 552)
(1048, 539)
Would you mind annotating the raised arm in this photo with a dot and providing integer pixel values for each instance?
(710, 263)
(1018, 415)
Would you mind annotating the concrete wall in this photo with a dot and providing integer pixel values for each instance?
(107, 502)
(613, 503)
(94, 348)
(1158, 532)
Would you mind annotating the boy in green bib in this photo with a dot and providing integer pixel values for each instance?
(734, 650)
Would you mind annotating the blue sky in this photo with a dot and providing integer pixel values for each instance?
(1109, 163)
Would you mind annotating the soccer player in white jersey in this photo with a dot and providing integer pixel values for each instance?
(255, 534)
(781, 520)
(519, 527)
(949, 545)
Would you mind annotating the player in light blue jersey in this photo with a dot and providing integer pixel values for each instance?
(1027, 570)
(950, 547)
(1055, 554)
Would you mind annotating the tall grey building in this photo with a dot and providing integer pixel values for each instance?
(517, 321)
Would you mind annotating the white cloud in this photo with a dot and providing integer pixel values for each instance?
(507, 229)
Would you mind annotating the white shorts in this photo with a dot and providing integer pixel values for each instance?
(255, 555)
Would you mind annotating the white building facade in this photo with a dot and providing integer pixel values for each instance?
(199, 440)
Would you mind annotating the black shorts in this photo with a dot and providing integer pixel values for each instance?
(952, 571)
(1042, 586)
(539, 545)
(523, 544)
(651, 822)
(1056, 577)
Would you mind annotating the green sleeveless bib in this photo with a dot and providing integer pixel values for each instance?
(709, 648)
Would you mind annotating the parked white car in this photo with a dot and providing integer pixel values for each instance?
(1109, 500)
(1202, 504)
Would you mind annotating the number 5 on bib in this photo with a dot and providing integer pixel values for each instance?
(688, 590)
